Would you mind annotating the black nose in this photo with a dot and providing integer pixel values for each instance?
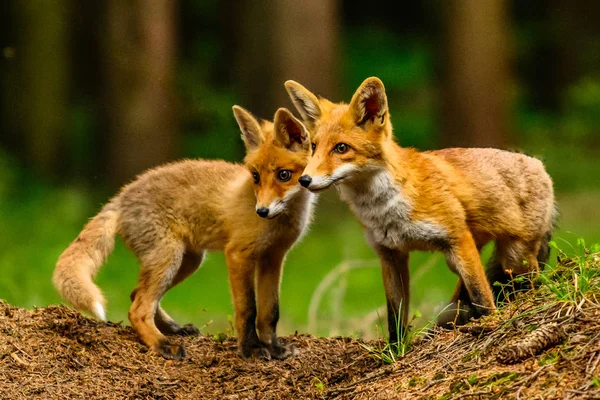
(305, 180)
(263, 212)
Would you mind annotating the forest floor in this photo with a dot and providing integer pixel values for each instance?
(544, 344)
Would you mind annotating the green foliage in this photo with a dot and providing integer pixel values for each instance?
(396, 348)
(36, 223)
(582, 102)
(575, 274)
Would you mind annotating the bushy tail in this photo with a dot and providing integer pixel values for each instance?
(78, 264)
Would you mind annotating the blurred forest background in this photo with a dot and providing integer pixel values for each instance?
(93, 93)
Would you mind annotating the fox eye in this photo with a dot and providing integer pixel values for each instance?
(341, 148)
(256, 177)
(284, 175)
(313, 146)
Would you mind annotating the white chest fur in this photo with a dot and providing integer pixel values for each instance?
(385, 211)
(292, 224)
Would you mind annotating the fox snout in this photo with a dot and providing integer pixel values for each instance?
(262, 212)
(305, 180)
(315, 183)
(272, 210)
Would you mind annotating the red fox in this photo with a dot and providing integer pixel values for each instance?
(452, 200)
(171, 215)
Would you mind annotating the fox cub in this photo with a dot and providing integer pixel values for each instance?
(171, 215)
(452, 200)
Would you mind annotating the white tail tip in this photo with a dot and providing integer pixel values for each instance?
(98, 311)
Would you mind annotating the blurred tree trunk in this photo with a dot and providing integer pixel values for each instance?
(576, 36)
(42, 95)
(287, 39)
(140, 52)
(477, 81)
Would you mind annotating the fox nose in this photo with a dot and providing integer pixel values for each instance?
(262, 212)
(305, 180)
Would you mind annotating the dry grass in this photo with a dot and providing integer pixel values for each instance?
(545, 344)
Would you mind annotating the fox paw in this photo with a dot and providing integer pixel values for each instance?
(260, 352)
(281, 352)
(169, 350)
(187, 330)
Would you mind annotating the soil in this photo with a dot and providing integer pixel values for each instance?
(532, 348)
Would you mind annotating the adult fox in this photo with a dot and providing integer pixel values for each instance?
(171, 215)
(452, 200)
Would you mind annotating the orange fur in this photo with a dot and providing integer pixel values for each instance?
(171, 215)
(451, 200)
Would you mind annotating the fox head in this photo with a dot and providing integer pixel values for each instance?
(276, 154)
(347, 139)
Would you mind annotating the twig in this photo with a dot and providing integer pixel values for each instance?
(470, 394)
(170, 383)
(246, 389)
(591, 370)
(20, 349)
(18, 360)
(593, 395)
(433, 383)
(367, 378)
(528, 379)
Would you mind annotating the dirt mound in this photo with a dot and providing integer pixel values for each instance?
(545, 344)
(56, 352)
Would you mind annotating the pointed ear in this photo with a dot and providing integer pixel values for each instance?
(290, 132)
(306, 103)
(369, 103)
(251, 132)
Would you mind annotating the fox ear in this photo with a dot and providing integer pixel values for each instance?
(306, 103)
(251, 132)
(369, 103)
(290, 132)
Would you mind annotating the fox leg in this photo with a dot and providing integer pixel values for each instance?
(158, 269)
(241, 280)
(268, 279)
(463, 259)
(191, 262)
(394, 268)
(460, 309)
(461, 295)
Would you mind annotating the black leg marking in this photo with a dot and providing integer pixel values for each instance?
(395, 326)
(251, 345)
(276, 349)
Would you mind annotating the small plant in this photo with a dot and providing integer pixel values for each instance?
(473, 379)
(552, 357)
(318, 384)
(395, 349)
(412, 382)
(220, 337)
